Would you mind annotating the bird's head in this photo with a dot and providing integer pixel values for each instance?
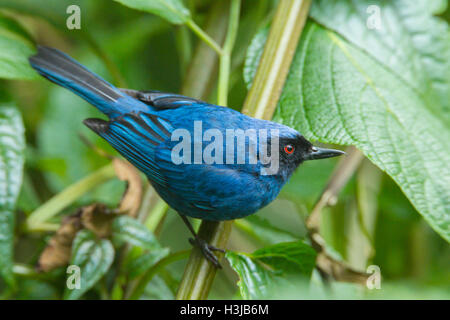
(294, 149)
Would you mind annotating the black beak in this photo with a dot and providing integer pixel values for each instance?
(322, 153)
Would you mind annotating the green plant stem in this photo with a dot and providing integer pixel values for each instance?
(138, 290)
(67, 196)
(204, 36)
(184, 48)
(156, 215)
(225, 59)
(202, 71)
(276, 59)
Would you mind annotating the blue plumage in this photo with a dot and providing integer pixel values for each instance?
(141, 127)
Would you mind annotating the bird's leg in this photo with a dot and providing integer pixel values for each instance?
(204, 246)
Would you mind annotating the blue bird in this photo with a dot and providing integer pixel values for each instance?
(143, 127)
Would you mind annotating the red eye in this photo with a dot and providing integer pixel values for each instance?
(289, 149)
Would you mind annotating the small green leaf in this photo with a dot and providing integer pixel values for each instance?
(285, 260)
(12, 145)
(127, 229)
(15, 48)
(94, 257)
(288, 257)
(157, 289)
(264, 231)
(172, 10)
(254, 279)
(137, 266)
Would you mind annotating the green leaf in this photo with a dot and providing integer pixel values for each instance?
(138, 265)
(15, 48)
(94, 257)
(12, 145)
(286, 259)
(127, 229)
(336, 93)
(254, 279)
(32, 289)
(146, 251)
(157, 289)
(264, 231)
(408, 41)
(172, 10)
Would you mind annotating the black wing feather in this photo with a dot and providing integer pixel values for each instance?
(162, 100)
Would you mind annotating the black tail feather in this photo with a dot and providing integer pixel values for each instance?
(97, 125)
(63, 70)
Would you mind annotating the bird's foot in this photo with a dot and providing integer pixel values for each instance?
(207, 250)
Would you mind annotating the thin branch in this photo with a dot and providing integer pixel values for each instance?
(204, 36)
(342, 173)
(225, 59)
(327, 265)
(202, 71)
(138, 289)
(68, 196)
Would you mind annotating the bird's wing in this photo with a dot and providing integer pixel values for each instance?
(162, 100)
(136, 136)
(144, 140)
(197, 189)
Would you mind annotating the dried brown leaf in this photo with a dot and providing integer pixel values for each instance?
(57, 252)
(97, 218)
(132, 197)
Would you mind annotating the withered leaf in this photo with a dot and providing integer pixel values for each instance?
(95, 217)
(338, 270)
(57, 252)
(132, 197)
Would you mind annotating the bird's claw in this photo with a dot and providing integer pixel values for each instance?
(207, 250)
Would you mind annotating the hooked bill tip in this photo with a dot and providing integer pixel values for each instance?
(322, 153)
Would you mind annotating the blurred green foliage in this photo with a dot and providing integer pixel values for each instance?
(142, 50)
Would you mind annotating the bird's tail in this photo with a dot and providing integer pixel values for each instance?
(65, 71)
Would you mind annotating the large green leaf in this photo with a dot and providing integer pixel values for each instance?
(12, 145)
(337, 93)
(172, 10)
(408, 40)
(262, 270)
(15, 48)
(93, 256)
